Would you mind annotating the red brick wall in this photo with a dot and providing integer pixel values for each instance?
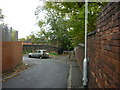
(11, 54)
(104, 49)
(79, 55)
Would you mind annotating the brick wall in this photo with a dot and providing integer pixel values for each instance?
(11, 54)
(79, 55)
(104, 49)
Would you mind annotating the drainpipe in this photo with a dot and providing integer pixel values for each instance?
(85, 61)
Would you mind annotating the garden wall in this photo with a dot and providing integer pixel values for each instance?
(104, 49)
(29, 48)
(79, 55)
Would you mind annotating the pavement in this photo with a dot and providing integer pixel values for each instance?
(53, 72)
(76, 76)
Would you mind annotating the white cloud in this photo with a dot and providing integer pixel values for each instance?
(19, 14)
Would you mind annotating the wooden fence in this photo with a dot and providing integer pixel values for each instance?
(11, 54)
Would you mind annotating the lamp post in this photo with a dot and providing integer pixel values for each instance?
(85, 61)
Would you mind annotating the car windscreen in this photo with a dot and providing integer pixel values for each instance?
(37, 51)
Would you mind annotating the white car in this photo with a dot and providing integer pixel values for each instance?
(39, 54)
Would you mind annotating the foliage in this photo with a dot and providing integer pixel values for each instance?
(53, 54)
(22, 39)
(1, 15)
(14, 35)
(66, 22)
(35, 38)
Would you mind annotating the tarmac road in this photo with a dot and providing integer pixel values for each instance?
(43, 73)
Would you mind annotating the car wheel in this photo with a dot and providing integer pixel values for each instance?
(40, 57)
(29, 56)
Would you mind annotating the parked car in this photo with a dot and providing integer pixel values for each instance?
(39, 54)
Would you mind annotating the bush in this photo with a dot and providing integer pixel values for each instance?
(53, 54)
(27, 51)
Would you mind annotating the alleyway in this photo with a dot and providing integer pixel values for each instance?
(45, 73)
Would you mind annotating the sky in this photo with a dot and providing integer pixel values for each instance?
(19, 14)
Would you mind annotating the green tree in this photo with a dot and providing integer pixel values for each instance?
(22, 39)
(67, 21)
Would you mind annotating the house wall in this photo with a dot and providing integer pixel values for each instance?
(104, 49)
(11, 54)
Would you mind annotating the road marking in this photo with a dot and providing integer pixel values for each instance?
(69, 84)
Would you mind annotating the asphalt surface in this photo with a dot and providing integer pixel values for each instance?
(43, 73)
